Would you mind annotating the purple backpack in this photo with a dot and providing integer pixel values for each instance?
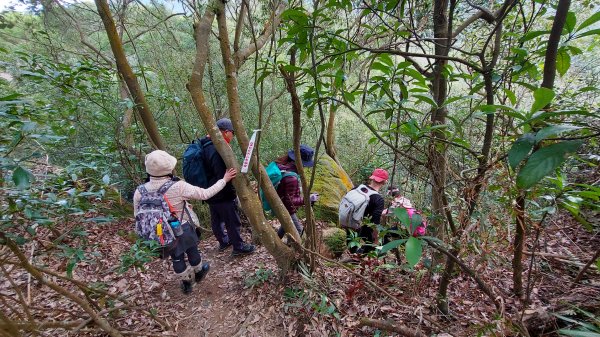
(151, 219)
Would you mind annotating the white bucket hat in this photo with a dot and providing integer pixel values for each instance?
(159, 163)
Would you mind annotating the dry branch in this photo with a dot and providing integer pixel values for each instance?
(389, 325)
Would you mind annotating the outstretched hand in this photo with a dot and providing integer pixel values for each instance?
(229, 174)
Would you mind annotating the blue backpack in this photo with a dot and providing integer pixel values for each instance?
(275, 176)
(193, 166)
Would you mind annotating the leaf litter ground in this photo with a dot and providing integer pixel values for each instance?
(244, 296)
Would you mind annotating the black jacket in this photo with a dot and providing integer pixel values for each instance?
(215, 168)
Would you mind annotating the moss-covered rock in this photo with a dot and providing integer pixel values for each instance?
(334, 241)
(332, 183)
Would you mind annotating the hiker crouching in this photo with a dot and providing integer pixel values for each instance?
(364, 201)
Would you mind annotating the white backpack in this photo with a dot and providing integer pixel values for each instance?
(353, 205)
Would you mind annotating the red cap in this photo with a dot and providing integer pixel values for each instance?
(379, 175)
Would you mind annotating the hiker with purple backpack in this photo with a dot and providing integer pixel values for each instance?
(177, 227)
(289, 188)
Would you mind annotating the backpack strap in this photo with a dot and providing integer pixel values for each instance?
(163, 189)
(142, 189)
(285, 174)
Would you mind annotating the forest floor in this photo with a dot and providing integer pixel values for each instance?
(245, 296)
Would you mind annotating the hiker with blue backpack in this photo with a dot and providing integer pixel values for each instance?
(163, 215)
(364, 202)
(204, 166)
(288, 186)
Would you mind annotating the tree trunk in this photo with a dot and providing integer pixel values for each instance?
(330, 137)
(249, 200)
(548, 82)
(128, 76)
(437, 149)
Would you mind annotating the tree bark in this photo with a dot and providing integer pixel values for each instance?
(129, 77)
(249, 200)
(551, 51)
(548, 82)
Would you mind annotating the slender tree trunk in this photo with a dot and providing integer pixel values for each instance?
(330, 137)
(311, 232)
(553, 41)
(128, 76)
(548, 82)
(248, 199)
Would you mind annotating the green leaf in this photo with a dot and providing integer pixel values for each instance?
(348, 96)
(542, 97)
(413, 251)
(426, 99)
(381, 67)
(578, 333)
(520, 149)
(570, 22)
(534, 34)
(511, 96)
(402, 215)
(589, 21)
(391, 245)
(588, 33)
(386, 59)
(22, 178)
(553, 130)
(10, 97)
(563, 61)
(544, 161)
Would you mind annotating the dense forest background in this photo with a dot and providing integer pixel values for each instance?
(485, 113)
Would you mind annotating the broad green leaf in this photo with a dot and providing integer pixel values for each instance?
(511, 96)
(426, 99)
(391, 245)
(543, 115)
(544, 161)
(348, 96)
(533, 35)
(381, 67)
(490, 108)
(520, 149)
(542, 97)
(10, 97)
(578, 333)
(589, 21)
(386, 59)
(402, 215)
(570, 22)
(340, 77)
(413, 251)
(22, 178)
(553, 130)
(563, 61)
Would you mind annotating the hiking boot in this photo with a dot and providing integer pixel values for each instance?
(199, 275)
(223, 246)
(186, 287)
(245, 249)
